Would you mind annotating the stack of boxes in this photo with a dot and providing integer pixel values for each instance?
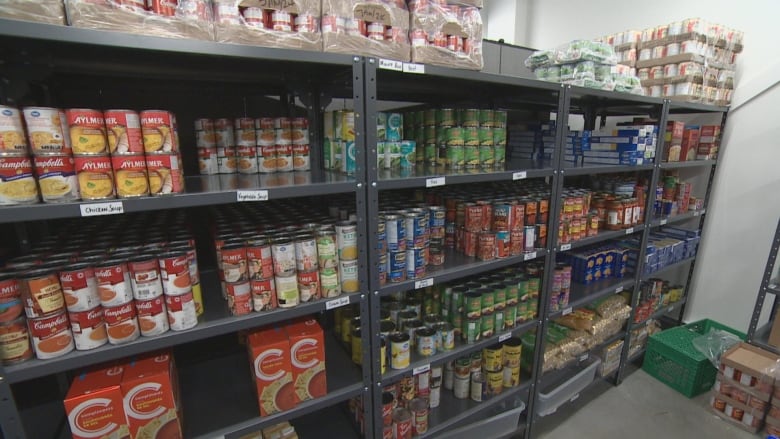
(603, 262)
(668, 246)
(630, 145)
(693, 142)
(446, 33)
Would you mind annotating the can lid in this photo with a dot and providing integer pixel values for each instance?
(399, 337)
(425, 332)
(76, 266)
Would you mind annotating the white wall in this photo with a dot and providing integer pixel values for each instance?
(745, 201)
(506, 20)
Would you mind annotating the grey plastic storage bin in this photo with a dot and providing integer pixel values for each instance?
(549, 402)
(500, 425)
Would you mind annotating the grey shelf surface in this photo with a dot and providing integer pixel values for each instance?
(216, 320)
(677, 107)
(662, 312)
(773, 287)
(582, 295)
(571, 170)
(761, 338)
(669, 267)
(337, 421)
(668, 220)
(618, 98)
(200, 191)
(457, 266)
(601, 237)
(219, 397)
(420, 175)
(688, 164)
(461, 348)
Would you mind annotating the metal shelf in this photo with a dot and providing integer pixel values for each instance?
(216, 320)
(688, 164)
(200, 191)
(772, 287)
(761, 338)
(661, 312)
(421, 175)
(339, 424)
(602, 236)
(457, 266)
(571, 170)
(582, 295)
(668, 267)
(461, 348)
(663, 221)
(677, 107)
(219, 398)
(637, 355)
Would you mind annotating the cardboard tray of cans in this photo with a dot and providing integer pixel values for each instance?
(449, 36)
(738, 414)
(735, 47)
(43, 11)
(682, 57)
(373, 29)
(188, 19)
(292, 24)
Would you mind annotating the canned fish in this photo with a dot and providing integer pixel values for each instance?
(348, 270)
(12, 141)
(41, 293)
(145, 277)
(123, 129)
(121, 324)
(158, 128)
(87, 130)
(51, 336)
(309, 285)
(239, 297)
(152, 316)
(80, 287)
(263, 294)
(56, 178)
(399, 350)
(95, 176)
(89, 328)
(14, 341)
(17, 184)
(114, 283)
(165, 174)
(287, 291)
(182, 313)
(46, 128)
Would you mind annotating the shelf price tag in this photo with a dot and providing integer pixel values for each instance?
(423, 283)
(504, 337)
(565, 247)
(259, 195)
(389, 64)
(567, 311)
(619, 289)
(337, 303)
(584, 357)
(519, 175)
(696, 213)
(629, 230)
(421, 369)
(435, 181)
(772, 286)
(98, 209)
(529, 256)
(409, 67)
(664, 221)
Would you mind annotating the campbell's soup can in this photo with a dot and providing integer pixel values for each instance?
(239, 295)
(17, 184)
(51, 336)
(162, 7)
(158, 129)
(165, 174)
(207, 161)
(145, 278)
(12, 140)
(284, 158)
(130, 175)
(80, 287)
(15, 341)
(123, 132)
(175, 272)
(46, 130)
(247, 159)
(89, 328)
(301, 159)
(181, 311)
(114, 284)
(95, 176)
(41, 293)
(152, 316)
(87, 130)
(57, 179)
(263, 294)
(121, 323)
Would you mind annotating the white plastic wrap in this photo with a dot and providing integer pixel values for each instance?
(43, 11)
(188, 19)
(449, 36)
(293, 24)
(366, 27)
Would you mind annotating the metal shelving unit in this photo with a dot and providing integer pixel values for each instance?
(759, 335)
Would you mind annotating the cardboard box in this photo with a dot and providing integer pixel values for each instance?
(751, 366)
(149, 390)
(394, 16)
(43, 11)
(749, 422)
(231, 26)
(307, 355)
(774, 333)
(94, 405)
(269, 353)
(689, 145)
(743, 394)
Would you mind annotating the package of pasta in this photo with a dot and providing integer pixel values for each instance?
(608, 306)
(448, 35)
(42, 11)
(292, 24)
(363, 27)
(581, 319)
(185, 19)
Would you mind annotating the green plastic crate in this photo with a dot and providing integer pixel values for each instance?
(672, 359)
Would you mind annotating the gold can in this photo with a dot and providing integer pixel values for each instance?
(131, 176)
(95, 176)
(87, 131)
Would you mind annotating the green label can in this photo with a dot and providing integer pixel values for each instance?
(522, 288)
(487, 156)
(499, 155)
(447, 336)
(512, 292)
(458, 294)
(499, 295)
(486, 117)
(380, 155)
(499, 119)
(488, 300)
(469, 117)
(488, 325)
(499, 136)
(471, 156)
(533, 287)
(473, 304)
(522, 310)
(430, 153)
(499, 324)
(418, 117)
(471, 136)
(533, 309)
(429, 133)
(510, 316)
(455, 156)
(395, 124)
(472, 330)
(408, 154)
(429, 117)
(454, 136)
(486, 136)
(446, 117)
(457, 323)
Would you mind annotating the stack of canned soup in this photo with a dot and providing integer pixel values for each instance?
(250, 146)
(88, 154)
(266, 261)
(89, 288)
(458, 138)
(339, 141)
(408, 241)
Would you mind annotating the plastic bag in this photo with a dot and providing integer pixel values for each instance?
(714, 343)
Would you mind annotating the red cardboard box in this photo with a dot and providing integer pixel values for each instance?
(689, 145)
(307, 354)
(94, 405)
(710, 134)
(149, 389)
(269, 352)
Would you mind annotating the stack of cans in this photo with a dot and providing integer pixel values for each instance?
(339, 141)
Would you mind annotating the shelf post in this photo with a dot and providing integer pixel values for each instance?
(10, 422)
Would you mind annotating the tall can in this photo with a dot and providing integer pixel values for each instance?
(87, 131)
(346, 238)
(12, 139)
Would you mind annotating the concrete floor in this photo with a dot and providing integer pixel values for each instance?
(640, 408)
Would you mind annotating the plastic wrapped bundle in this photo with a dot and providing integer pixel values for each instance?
(43, 11)
(446, 35)
(378, 28)
(293, 24)
(188, 19)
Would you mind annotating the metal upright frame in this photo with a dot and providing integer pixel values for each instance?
(760, 336)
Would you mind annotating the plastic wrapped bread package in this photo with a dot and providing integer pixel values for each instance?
(187, 19)
(292, 24)
(43, 11)
(449, 35)
(377, 28)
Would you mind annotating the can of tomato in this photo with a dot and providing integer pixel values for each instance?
(152, 316)
(165, 174)
(89, 328)
(80, 287)
(95, 176)
(175, 272)
(121, 324)
(17, 184)
(51, 336)
(182, 313)
(14, 341)
(130, 175)
(145, 277)
(56, 176)
(114, 284)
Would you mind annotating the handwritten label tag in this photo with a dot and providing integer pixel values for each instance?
(260, 195)
(664, 221)
(519, 175)
(98, 209)
(567, 311)
(423, 283)
(414, 68)
(435, 181)
(696, 213)
(389, 64)
(529, 256)
(584, 357)
(565, 247)
(504, 337)
(629, 230)
(619, 289)
(337, 303)
(421, 369)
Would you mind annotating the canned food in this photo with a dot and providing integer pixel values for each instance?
(17, 184)
(512, 351)
(346, 239)
(300, 158)
(41, 293)
(348, 270)
(472, 331)
(260, 260)
(158, 128)
(46, 128)
(247, 159)
(284, 157)
(399, 350)
(121, 324)
(165, 174)
(388, 403)
(492, 357)
(145, 277)
(175, 272)
(309, 285)
(283, 251)
(182, 313)
(87, 130)
(95, 176)
(14, 341)
(80, 287)
(89, 328)
(511, 376)
(12, 141)
(419, 409)
(130, 175)
(239, 297)
(152, 316)
(327, 256)
(477, 386)
(207, 161)
(305, 252)
(402, 423)
(123, 129)
(425, 341)
(287, 292)
(263, 294)
(330, 284)
(114, 283)
(51, 336)
(56, 176)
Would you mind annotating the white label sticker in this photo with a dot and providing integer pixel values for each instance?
(423, 283)
(772, 286)
(629, 230)
(421, 369)
(413, 68)
(337, 303)
(567, 311)
(529, 256)
(696, 213)
(242, 196)
(504, 337)
(583, 357)
(565, 247)
(671, 308)
(664, 221)
(519, 175)
(389, 64)
(97, 209)
(435, 181)
(619, 289)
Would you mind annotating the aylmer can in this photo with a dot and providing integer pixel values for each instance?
(95, 176)
(15, 342)
(123, 128)
(158, 128)
(165, 174)
(130, 175)
(87, 130)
